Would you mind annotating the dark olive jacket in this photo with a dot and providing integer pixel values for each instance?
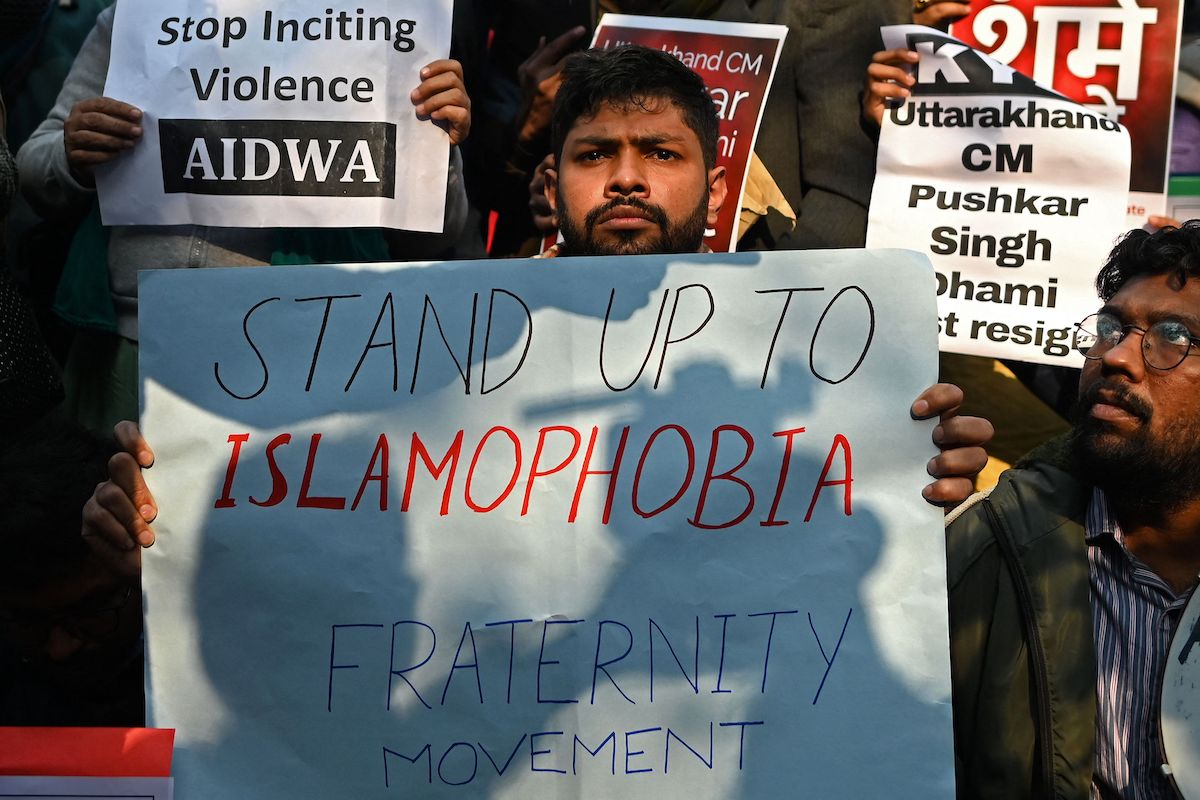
(1022, 658)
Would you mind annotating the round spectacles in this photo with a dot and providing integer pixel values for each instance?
(1165, 344)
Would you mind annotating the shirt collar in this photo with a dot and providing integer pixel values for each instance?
(1101, 524)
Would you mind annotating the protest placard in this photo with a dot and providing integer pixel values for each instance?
(269, 114)
(1015, 193)
(1117, 57)
(737, 62)
(649, 529)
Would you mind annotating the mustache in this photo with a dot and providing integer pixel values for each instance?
(1120, 395)
(653, 212)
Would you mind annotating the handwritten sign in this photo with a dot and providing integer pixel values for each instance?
(1118, 57)
(277, 115)
(1015, 193)
(643, 526)
(737, 62)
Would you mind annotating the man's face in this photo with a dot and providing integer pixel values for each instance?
(1138, 428)
(632, 181)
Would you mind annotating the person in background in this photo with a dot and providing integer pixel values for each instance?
(1068, 580)
(85, 129)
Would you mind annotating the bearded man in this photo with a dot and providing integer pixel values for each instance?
(1067, 582)
(634, 134)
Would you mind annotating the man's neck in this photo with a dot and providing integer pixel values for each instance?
(1168, 543)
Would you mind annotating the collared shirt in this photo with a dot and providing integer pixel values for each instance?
(1134, 614)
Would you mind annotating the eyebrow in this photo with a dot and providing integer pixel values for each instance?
(1191, 322)
(648, 141)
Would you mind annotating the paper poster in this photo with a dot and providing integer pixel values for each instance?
(737, 62)
(647, 527)
(39, 788)
(1178, 719)
(1016, 194)
(275, 114)
(1117, 57)
(94, 752)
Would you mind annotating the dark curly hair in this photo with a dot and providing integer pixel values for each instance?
(1167, 251)
(632, 76)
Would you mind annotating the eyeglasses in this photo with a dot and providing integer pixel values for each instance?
(1165, 344)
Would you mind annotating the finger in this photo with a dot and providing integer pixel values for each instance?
(459, 120)
(961, 462)
(882, 73)
(129, 438)
(112, 521)
(90, 158)
(126, 474)
(95, 121)
(109, 106)
(941, 14)
(445, 66)
(1163, 222)
(884, 91)
(946, 492)
(896, 56)
(437, 86)
(450, 97)
(956, 431)
(107, 538)
(938, 399)
(97, 142)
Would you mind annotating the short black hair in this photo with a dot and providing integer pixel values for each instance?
(1166, 251)
(632, 76)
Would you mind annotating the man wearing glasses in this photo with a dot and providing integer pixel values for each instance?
(1067, 582)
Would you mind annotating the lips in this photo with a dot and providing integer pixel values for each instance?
(1113, 402)
(626, 212)
(622, 213)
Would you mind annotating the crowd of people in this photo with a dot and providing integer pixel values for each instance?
(1064, 580)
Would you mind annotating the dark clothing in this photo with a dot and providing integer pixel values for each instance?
(1022, 657)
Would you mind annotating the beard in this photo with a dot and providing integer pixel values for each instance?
(1141, 471)
(685, 237)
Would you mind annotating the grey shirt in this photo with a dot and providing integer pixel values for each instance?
(48, 184)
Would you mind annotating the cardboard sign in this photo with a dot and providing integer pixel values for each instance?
(1015, 193)
(277, 114)
(1117, 57)
(635, 526)
(737, 62)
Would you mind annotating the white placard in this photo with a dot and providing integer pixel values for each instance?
(647, 527)
(1015, 193)
(291, 114)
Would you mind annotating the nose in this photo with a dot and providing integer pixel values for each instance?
(1126, 357)
(627, 176)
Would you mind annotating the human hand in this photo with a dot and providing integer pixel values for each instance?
(887, 80)
(544, 217)
(539, 77)
(96, 131)
(961, 441)
(1156, 221)
(117, 517)
(939, 14)
(442, 96)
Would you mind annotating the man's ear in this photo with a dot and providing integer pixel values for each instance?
(717, 190)
(551, 188)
